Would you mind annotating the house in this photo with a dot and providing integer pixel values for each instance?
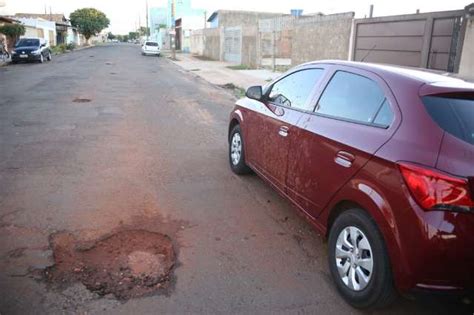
(60, 22)
(38, 27)
(65, 32)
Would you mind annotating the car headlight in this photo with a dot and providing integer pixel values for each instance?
(36, 52)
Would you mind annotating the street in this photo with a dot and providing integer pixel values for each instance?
(103, 141)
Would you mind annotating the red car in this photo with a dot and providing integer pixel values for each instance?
(381, 160)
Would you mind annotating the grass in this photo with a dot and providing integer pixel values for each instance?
(236, 90)
(203, 58)
(240, 67)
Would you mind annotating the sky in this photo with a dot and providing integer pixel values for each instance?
(124, 15)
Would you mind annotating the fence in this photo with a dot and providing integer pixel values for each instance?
(428, 40)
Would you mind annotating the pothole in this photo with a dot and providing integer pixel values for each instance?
(127, 264)
(81, 100)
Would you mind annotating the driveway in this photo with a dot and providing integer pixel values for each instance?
(104, 150)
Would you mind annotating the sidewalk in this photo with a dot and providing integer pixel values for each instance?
(217, 72)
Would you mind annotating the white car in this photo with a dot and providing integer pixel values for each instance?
(151, 48)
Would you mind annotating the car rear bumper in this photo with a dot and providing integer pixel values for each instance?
(440, 252)
(151, 52)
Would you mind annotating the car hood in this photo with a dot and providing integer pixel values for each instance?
(25, 49)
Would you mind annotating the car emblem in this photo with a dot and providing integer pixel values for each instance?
(22, 52)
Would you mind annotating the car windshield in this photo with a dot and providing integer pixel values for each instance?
(454, 114)
(151, 44)
(27, 42)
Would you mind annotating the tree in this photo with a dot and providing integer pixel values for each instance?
(133, 35)
(110, 36)
(89, 21)
(12, 31)
(144, 31)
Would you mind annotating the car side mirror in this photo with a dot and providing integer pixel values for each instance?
(254, 92)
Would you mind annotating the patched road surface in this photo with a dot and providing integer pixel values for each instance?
(116, 197)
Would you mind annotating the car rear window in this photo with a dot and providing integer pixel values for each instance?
(454, 114)
(151, 44)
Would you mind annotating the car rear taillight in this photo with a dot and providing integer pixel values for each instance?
(434, 190)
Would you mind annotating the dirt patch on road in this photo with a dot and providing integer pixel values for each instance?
(81, 100)
(127, 264)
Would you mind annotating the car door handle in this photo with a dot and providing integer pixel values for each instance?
(344, 159)
(283, 131)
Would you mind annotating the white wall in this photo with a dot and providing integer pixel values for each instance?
(40, 24)
(466, 67)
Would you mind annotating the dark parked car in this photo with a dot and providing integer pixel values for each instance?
(381, 160)
(31, 49)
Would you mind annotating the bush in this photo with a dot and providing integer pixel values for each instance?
(59, 49)
(71, 46)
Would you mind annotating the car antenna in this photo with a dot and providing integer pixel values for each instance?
(368, 53)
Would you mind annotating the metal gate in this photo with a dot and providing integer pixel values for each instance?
(427, 40)
(233, 44)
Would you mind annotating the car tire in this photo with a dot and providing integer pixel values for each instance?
(50, 57)
(237, 152)
(41, 60)
(349, 268)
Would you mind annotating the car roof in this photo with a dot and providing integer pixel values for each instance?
(424, 76)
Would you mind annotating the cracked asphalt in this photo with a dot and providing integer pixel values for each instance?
(149, 152)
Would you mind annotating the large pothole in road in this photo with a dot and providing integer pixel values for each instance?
(127, 264)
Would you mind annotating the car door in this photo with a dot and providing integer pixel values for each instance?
(354, 116)
(272, 127)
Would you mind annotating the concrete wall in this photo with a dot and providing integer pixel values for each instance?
(466, 67)
(249, 46)
(197, 42)
(242, 18)
(327, 37)
(211, 43)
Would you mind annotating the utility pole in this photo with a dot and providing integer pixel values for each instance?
(147, 27)
(173, 31)
(371, 11)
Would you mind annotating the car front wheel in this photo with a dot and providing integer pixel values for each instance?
(236, 152)
(358, 261)
(50, 57)
(41, 60)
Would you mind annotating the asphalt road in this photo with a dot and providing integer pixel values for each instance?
(149, 152)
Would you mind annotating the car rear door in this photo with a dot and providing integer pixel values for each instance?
(271, 129)
(353, 116)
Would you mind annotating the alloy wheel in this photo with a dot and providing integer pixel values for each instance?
(236, 148)
(354, 258)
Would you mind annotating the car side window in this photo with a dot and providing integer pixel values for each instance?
(356, 98)
(385, 115)
(295, 89)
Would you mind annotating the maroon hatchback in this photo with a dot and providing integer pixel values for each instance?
(381, 160)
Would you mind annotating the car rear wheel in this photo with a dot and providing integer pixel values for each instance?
(237, 153)
(358, 261)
